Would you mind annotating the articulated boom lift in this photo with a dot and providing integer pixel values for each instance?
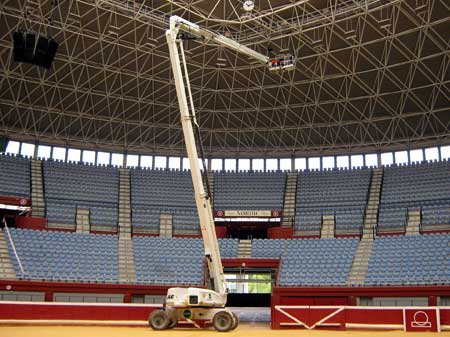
(197, 304)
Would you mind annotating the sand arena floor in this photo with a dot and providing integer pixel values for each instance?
(244, 330)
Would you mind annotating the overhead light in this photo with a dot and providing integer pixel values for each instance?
(248, 5)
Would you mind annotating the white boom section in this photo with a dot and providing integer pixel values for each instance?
(201, 198)
(179, 24)
(187, 112)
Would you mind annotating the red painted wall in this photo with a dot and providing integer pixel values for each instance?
(347, 295)
(312, 298)
(329, 317)
(280, 232)
(252, 263)
(75, 311)
(50, 287)
(221, 231)
(29, 222)
(445, 317)
(17, 201)
(392, 291)
(328, 300)
(341, 317)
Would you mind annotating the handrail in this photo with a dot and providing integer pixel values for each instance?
(407, 220)
(334, 224)
(13, 246)
(420, 220)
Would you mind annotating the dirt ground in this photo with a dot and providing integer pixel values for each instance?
(244, 330)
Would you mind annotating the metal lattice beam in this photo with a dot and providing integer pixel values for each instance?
(370, 75)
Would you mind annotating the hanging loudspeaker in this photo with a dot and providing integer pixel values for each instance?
(19, 46)
(25, 51)
(52, 48)
(45, 52)
(30, 40)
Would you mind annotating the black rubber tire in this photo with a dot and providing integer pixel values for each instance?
(223, 321)
(158, 320)
(236, 321)
(173, 323)
(173, 319)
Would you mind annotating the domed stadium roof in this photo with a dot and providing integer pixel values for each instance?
(370, 75)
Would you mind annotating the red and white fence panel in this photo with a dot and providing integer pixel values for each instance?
(342, 317)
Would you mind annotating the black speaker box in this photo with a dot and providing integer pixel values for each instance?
(24, 46)
(30, 41)
(19, 46)
(45, 52)
(26, 50)
(52, 49)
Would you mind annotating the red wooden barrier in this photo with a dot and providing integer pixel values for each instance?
(283, 316)
(221, 231)
(340, 317)
(24, 311)
(29, 222)
(280, 232)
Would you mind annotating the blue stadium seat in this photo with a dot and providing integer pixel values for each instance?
(61, 256)
(310, 262)
(339, 193)
(410, 260)
(154, 192)
(68, 186)
(15, 177)
(424, 186)
(249, 190)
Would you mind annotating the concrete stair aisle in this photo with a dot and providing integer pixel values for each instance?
(124, 204)
(290, 196)
(127, 264)
(166, 225)
(245, 248)
(360, 262)
(6, 267)
(327, 230)
(82, 220)
(413, 223)
(37, 189)
(373, 203)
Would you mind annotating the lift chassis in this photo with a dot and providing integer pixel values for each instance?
(198, 305)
